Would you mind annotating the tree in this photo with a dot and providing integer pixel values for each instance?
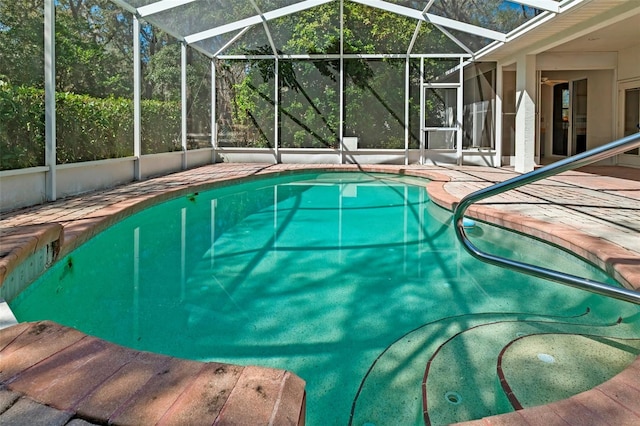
(374, 89)
(21, 42)
(94, 58)
(93, 53)
(493, 14)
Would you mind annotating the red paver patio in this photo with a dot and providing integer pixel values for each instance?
(92, 379)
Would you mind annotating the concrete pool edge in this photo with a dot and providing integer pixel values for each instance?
(91, 379)
(616, 397)
(619, 262)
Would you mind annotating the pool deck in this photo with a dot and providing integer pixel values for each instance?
(44, 367)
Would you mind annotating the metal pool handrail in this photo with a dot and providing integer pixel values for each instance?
(570, 163)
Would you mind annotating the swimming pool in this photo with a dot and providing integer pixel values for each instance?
(353, 281)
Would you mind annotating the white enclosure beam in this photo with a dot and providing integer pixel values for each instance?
(161, 6)
(233, 40)
(414, 38)
(548, 5)
(200, 49)
(125, 6)
(416, 32)
(465, 28)
(253, 20)
(274, 49)
(276, 115)
(498, 114)
(435, 19)
(460, 112)
(349, 56)
(164, 5)
(137, 84)
(223, 29)
(455, 40)
(50, 98)
(407, 99)
(428, 6)
(214, 109)
(422, 112)
(341, 85)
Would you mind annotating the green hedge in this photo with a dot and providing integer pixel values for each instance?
(90, 129)
(161, 126)
(87, 128)
(21, 127)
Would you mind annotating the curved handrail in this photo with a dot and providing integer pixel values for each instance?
(580, 160)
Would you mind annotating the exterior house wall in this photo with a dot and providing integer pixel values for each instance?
(628, 78)
(629, 63)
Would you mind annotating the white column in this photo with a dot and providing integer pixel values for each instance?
(50, 97)
(407, 88)
(459, 115)
(422, 113)
(525, 114)
(498, 115)
(276, 100)
(341, 86)
(214, 122)
(137, 84)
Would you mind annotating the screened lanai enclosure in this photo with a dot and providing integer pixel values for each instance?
(310, 74)
(314, 81)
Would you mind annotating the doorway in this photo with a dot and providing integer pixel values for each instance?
(632, 114)
(569, 118)
(440, 125)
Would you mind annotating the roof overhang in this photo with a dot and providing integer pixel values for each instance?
(577, 19)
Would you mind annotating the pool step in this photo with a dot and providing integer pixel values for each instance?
(540, 369)
(464, 380)
(445, 353)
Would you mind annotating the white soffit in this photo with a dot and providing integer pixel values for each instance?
(577, 18)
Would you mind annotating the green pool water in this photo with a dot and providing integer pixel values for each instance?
(353, 281)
